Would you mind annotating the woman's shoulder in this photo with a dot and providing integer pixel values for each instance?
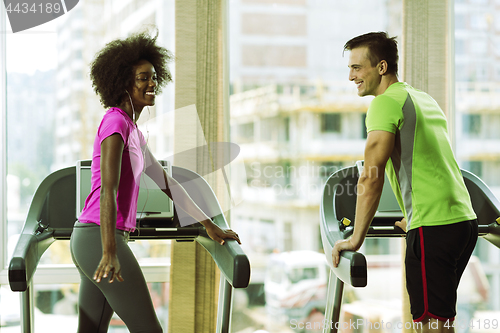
(114, 120)
(116, 116)
(115, 113)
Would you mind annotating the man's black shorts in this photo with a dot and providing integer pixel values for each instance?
(435, 260)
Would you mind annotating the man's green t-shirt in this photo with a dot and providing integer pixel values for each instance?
(422, 169)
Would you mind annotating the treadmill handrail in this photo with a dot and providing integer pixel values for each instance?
(230, 257)
(237, 273)
(352, 268)
(488, 194)
(30, 247)
(488, 211)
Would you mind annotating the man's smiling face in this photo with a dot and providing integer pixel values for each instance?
(366, 77)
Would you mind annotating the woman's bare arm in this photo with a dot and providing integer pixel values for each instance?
(182, 199)
(111, 160)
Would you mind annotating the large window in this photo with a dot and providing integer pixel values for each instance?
(52, 116)
(292, 97)
(295, 116)
(477, 117)
(305, 78)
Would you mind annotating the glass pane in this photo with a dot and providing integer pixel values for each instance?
(56, 125)
(146, 252)
(29, 120)
(10, 309)
(297, 119)
(56, 308)
(52, 117)
(477, 119)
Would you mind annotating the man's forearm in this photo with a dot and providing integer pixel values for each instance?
(369, 190)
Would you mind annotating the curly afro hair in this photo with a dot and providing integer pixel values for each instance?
(112, 72)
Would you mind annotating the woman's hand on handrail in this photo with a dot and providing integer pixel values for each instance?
(218, 234)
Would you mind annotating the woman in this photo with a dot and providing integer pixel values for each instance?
(127, 75)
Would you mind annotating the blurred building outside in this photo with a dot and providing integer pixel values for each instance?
(62, 116)
(298, 119)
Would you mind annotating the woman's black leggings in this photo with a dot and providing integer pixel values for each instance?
(130, 299)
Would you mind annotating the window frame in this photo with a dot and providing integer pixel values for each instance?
(331, 123)
(3, 145)
(451, 117)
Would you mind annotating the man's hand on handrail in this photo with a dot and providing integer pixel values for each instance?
(401, 224)
(342, 245)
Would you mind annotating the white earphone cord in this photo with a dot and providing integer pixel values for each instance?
(132, 104)
(144, 155)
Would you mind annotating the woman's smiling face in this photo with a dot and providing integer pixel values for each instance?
(143, 89)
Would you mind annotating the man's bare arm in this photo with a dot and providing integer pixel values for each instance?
(379, 146)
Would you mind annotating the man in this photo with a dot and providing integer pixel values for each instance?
(407, 136)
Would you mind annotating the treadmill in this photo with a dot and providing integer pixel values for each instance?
(337, 210)
(52, 214)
